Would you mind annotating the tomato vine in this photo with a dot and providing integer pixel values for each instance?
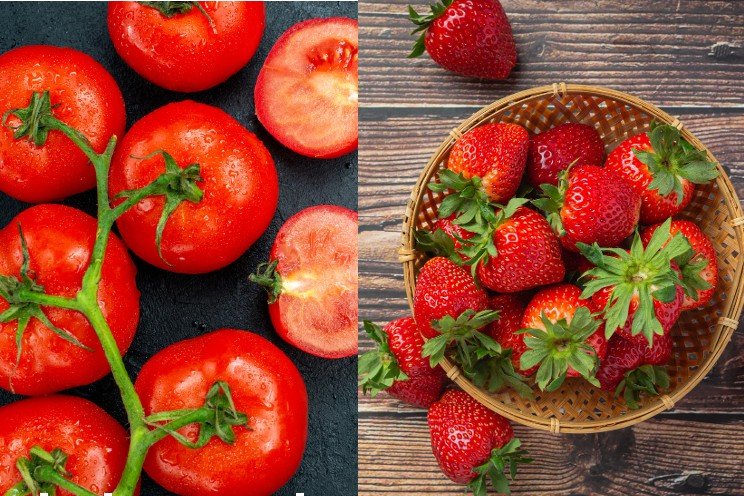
(218, 415)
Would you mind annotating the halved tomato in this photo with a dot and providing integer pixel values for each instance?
(307, 91)
(312, 281)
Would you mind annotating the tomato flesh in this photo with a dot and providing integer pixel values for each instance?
(317, 255)
(306, 94)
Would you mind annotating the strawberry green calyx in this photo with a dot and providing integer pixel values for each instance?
(422, 22)
(267, 276)
(673, 159)
(648, 379)
(551, 202)
(378, 369)
(480, 357)
(19, 294)
(561, 345)
(643, 273)
(691, 264)
(437, 243)
(500, 468)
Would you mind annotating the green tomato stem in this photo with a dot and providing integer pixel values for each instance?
(48, 474)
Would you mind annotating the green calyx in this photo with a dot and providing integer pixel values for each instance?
(437, 243)
(422, 22)
(43, 472)
(691, 264)
(646, 379)
(673, 159)
(551, 201)
(501, 467)
(217, 418)
(36, 119)
(177, 185)
(378, 369)
(267, 276)
(171, 9)
(15, 292)
(561, 345)
(479, 356)
(643, 273)
(475, 213)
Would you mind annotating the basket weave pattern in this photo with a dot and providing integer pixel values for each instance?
(699, 336)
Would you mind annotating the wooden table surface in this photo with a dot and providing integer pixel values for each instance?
(686, 56)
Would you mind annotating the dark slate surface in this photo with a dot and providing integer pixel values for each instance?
(176, 307)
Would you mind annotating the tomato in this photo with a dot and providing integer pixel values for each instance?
(265, 385)
(317, 257)
(60, 241)
(84, 96)
(186, 48)
(240, 187)
(96, 445)
(307, 91)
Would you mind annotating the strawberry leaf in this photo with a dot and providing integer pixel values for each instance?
(436, 243)
(646, 379)
(501, 467)
(378, 369)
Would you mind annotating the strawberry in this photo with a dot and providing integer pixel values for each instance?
(496, 154)
(554, 150)
(444, 289)
(663, 168)
(639, 291)
(470, 37)
(473, 444)
(398, 366)
(520, 253)
(699, 267)
(504, 331)
(561, 336)
(631, 368)
(590, 205)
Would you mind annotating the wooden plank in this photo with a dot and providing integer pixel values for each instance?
(656, 458)
(670, 53)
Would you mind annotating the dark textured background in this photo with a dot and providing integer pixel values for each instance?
(176, 307)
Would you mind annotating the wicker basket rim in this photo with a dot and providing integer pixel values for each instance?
(732, 307)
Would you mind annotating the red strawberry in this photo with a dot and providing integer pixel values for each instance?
(504, 331)
(397, 365)
(521, 252)
(631, 367)
(663, 168)
(562, 337)
(472, 444)
(444, 288)
(699, 268)
(591, 205)
(638, 290)
(494, 153)
(469, 37)
(554, 150)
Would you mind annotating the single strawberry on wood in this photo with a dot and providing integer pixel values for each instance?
(554, 150)
(472, 444)
(397, 365)
(470, 37)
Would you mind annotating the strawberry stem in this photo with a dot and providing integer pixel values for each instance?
(501, 467)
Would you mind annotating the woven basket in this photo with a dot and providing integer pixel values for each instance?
(700, 335)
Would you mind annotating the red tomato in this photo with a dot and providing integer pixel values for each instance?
(60, 240)
(189, 51)
(86, 98)
(240, 187)
(95, 443)
(307, 92)
(317, 256)
(265, 385)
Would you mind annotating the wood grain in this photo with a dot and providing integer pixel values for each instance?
(395, 458)
(665, 52)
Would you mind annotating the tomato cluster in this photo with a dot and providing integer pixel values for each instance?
(190, 191)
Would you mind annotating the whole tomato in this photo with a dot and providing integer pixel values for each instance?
(265, 385)
(82, 95)
(186, 46)
(238, 179)
(60, 241)
(95, 444)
